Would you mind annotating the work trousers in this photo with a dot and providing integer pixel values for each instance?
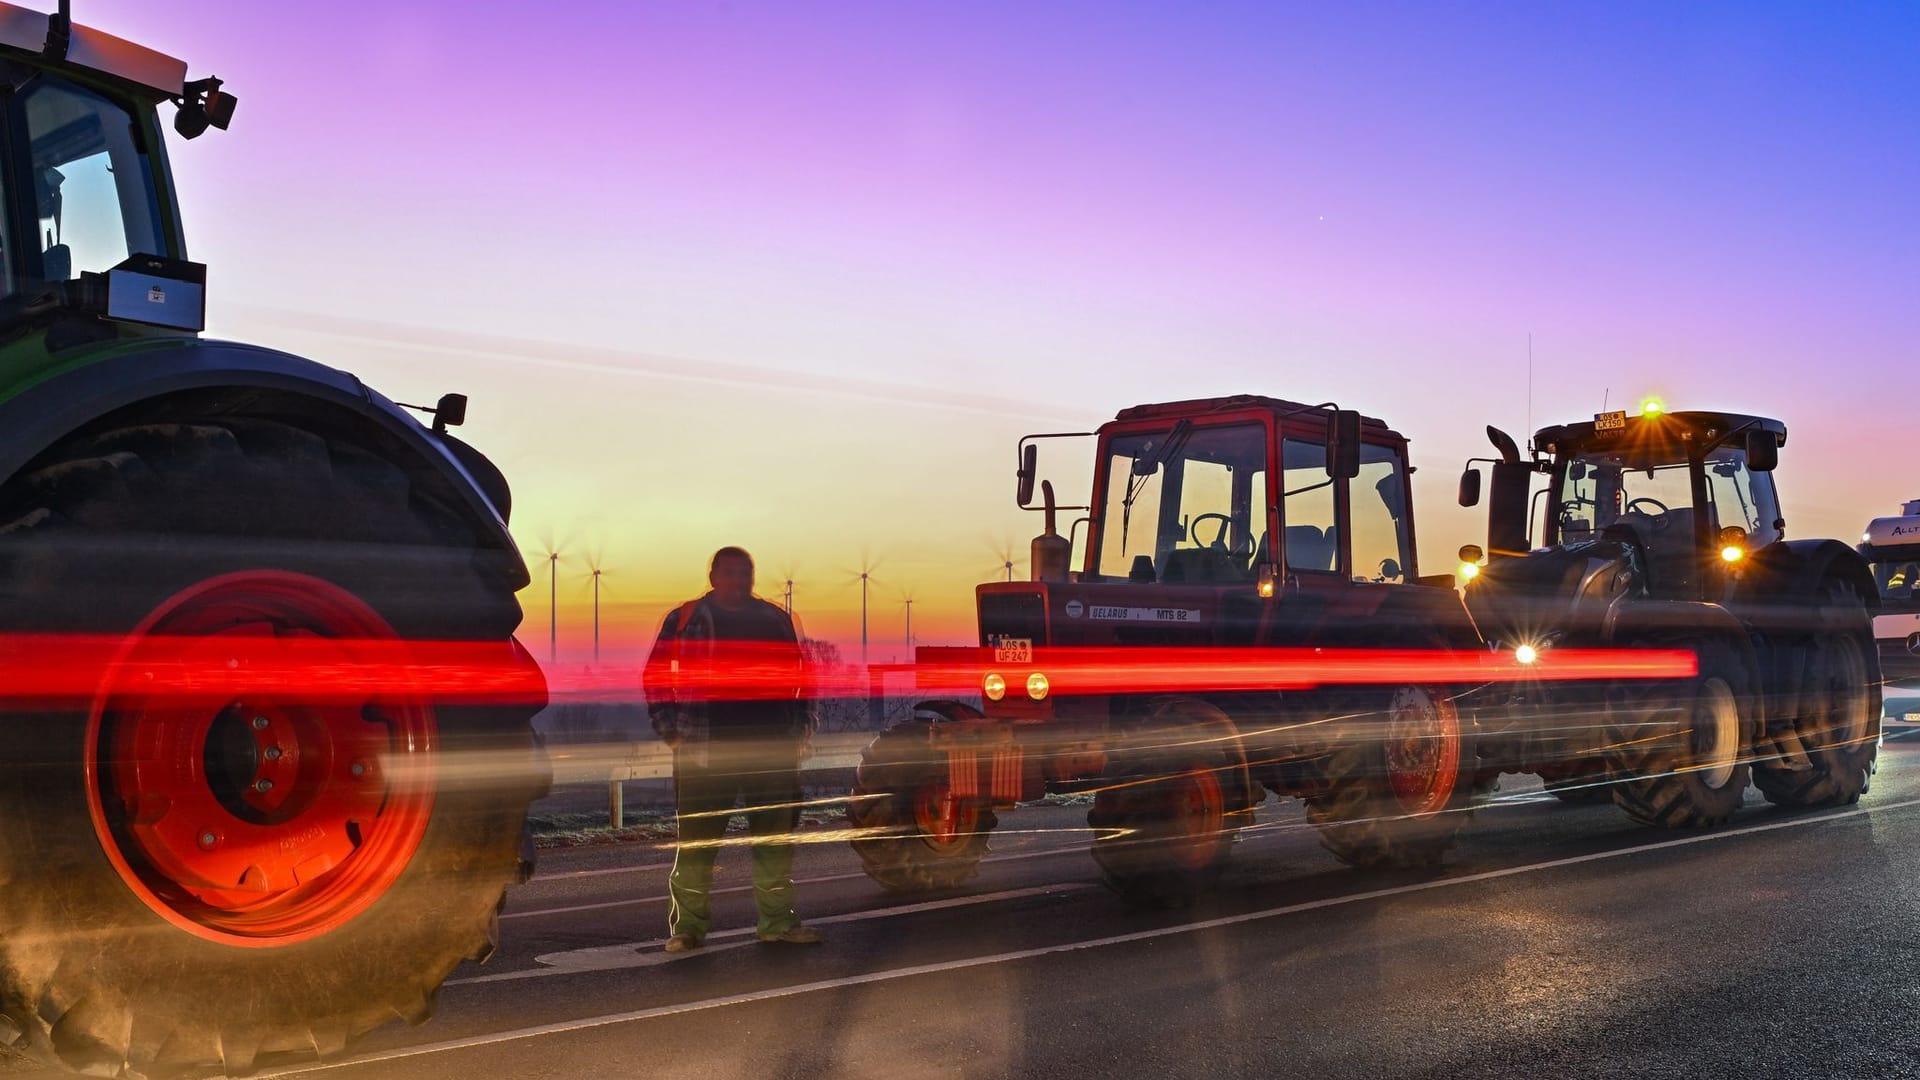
(761, 782)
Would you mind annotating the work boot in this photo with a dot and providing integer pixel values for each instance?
(680, 943)
(794, 935)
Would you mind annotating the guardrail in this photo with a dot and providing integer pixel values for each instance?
(614, 764)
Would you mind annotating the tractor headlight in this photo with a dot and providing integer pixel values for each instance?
(1037, 686)
(1526, 654)
(993, 686)
(1733, 544)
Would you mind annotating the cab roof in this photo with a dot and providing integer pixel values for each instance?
(1198, 407)
(1667, 432)
(25, 30)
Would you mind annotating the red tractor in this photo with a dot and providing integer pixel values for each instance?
(1241, 526)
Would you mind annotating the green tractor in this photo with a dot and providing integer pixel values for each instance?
(1664, 531)
(285, 857)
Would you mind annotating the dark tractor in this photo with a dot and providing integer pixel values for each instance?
(224, 841)
(1217, 529)
(1664, 531)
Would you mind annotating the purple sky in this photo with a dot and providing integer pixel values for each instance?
(1065, 212)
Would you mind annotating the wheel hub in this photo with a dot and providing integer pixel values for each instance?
(1716, 734)
(250, 812)
(1422, 750)
(1198, 816)
(946, 823)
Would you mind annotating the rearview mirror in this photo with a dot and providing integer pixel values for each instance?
(1029, 467)
(1470, 487)
(1763, 450)
(1343, 439)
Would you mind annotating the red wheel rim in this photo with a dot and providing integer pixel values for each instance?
(1198, 817)
(946, 824)
(1423, 750)
(256, 815)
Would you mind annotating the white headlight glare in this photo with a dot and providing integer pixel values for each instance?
(993, 686)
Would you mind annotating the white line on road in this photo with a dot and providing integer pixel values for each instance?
(634, 954)
(893, 974)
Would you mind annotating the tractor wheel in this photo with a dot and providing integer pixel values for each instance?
(1839, 721)
(230, 877)
(1398, 791)
(914, 836)
(1164, 821)
(1582, 783)
(1678, 753)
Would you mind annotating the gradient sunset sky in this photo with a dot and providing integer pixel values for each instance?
(797, 276)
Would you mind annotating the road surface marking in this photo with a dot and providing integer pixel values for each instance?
(632, 954)
(965, 963)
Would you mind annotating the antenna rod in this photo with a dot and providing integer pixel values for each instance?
(1529, 389)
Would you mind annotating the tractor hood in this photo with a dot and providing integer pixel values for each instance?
(1559, 592)
(1115, 613)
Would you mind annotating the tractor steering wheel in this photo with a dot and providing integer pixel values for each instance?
(1219, 541)
(1631, 503)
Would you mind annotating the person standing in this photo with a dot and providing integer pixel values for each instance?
(726, 690)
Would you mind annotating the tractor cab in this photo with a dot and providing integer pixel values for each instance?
(1246, 493)
(1690, 492)
(1686, 496)
(91, 237)
(1205, 518)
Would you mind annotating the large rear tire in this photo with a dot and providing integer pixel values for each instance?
(259, 874)
(1839, 714)
(1397, 787)
(1679, 753)
(1165, 820)
(912, 835)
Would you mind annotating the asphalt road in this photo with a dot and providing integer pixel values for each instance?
(1559, 941)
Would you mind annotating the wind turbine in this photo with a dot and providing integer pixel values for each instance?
(553, 596)
(1006, 563)
(865, 578)
(907, 599)
(593, 564)
(786, 598)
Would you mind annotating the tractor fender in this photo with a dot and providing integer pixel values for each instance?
(1779, 589)
(1214, 723)
(43, 413)
(1677, 623)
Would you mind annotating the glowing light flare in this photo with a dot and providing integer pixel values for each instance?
(62, 671)
(1526, 654)
(1732, 553)
(994, 686)
(1038, 686)
(1469, 571)
(1652, 407)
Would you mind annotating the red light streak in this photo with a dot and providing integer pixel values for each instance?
(54, 670)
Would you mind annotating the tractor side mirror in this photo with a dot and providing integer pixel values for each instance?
(1763, 451)
(1470, 487)
(1029, 468)
(1343, 439)
(450, 411)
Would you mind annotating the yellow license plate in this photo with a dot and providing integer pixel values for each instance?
(1013, 650)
